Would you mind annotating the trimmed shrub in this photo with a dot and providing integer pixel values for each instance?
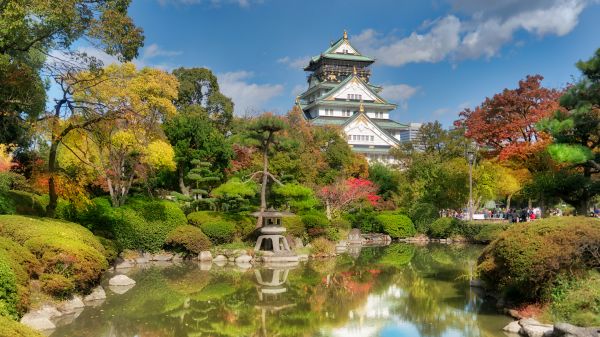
(315, 223)
(219, 232)
(443, 228)
(489, 232)
(60, 247)
(9, 297)
(577, 301)
(396, 225)
(11, 328)
(57, 285)
(366, 220)
(526, 258)
(201, 217)
(188, 239)
(322, 246)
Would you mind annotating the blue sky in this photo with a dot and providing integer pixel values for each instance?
(433, 57)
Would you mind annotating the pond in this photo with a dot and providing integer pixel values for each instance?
(398, 290)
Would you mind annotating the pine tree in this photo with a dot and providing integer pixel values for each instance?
(203, 179)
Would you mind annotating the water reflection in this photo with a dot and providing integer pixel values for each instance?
(399, 290)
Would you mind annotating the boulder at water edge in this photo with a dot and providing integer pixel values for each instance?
(97, 294)
(121, 280)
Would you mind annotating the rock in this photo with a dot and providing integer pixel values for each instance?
(162, 256)
(121, 280)
(220, 258)
(177, 258)
(243, 265)
(303, 257)
(569, 330)
(205, 265)
(514, 313)
(124, 264)
(97, 294)
(298, 242)
(220, 263)
(72, 305)
(205, 255)
(513, 327)
(243, 259)
(37, 322)
(533, 328)
(120, 289)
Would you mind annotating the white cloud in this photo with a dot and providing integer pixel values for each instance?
(433, 46)
(399, 93)
(296, 63)
(247, 97)
(488, 27)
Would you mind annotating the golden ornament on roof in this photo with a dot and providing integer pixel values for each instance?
(345, 35)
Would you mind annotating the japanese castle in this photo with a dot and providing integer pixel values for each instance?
(339, 94)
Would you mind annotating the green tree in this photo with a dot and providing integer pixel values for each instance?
(264, 131)
(576, 130)
(195, 137)
(203, 180)
(199, 87)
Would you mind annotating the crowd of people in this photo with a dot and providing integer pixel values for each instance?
(512, 215)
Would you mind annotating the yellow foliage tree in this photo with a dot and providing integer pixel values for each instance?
(130, 143)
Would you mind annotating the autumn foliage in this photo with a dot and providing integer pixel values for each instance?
(506, 122)
(343, 193)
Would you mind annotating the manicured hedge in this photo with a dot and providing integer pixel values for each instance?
(526, 259)
(396, 225)
(62, 248)
(188, 239)
(201, 217)
(577, 301)
(219, 232)
(142, 224)
(315, 223)
(26, 203)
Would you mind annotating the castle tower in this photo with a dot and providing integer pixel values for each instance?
(340, 94)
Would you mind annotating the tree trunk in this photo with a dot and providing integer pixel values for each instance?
(263, 188)
(328, 210)
(508, 202)
(53, 196)
(184, 189)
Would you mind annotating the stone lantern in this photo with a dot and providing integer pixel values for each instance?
(272, 241)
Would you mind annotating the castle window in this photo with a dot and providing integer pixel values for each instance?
(372, 138)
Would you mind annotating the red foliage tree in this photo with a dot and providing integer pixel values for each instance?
(506, 122)
(343, 193)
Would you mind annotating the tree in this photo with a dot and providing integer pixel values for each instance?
(130, 141)
(388, 180)
(203, 180)
(343, 193)
(506, 122)
(576, 130)
(263, 131)
(194, 137)
(234, 194)
(30, 29)
(199, 87)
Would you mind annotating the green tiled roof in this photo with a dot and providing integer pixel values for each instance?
(344, 57)
(388, 123)
(322, 121)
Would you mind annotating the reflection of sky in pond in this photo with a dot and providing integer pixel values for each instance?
(400, 290)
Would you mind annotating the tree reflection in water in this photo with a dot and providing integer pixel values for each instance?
(396, 290)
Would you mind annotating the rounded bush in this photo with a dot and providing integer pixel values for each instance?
(443, 228)
(397, 225)
(144, 225)
(315, 223)
(57, 285)
(188, 239)
(201, 217)
(111, 250)
(526, 258)
(577, 301)
(366, 220)
(60, 247)
(219, 232)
